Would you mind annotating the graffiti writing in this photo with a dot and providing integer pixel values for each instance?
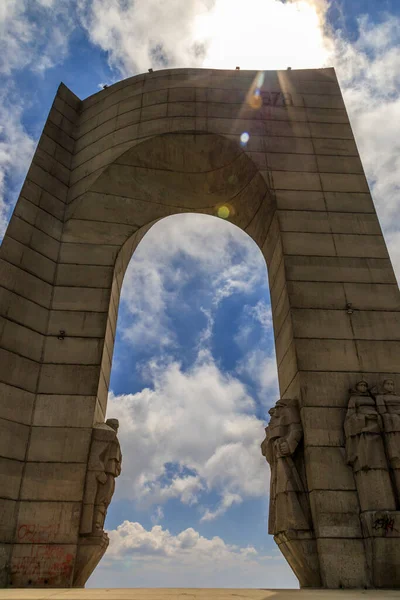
(277, 99)
(385, 524)
(37, 534)
(44, 564)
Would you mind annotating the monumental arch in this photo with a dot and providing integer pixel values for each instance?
(105, 170)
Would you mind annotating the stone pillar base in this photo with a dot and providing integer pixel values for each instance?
(381, 531)
(91, 550)
(300, 550)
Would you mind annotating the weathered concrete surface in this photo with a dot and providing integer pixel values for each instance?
(105, 170)
(196, 594)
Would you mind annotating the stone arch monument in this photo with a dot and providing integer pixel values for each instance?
(106, 169)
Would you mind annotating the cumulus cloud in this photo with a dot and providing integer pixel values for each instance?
(34, 34)
(16, 150)
(225, 257)
(369, 72)
(158, 558)
(200, 422)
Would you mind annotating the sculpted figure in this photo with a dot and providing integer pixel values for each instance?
(388, 404)
(288, 509)
(104, 466)
(365, 450)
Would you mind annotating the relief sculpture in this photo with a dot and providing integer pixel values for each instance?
(289, 511)
(365, 450)
(288, 508)
(388, 405)
(104, 467)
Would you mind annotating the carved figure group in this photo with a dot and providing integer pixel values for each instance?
(372, 431)
(289, 509)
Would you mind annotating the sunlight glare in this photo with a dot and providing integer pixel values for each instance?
(264, 34)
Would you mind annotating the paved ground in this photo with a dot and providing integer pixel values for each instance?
(195, 594)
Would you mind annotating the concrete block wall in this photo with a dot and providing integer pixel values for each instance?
(106, 169)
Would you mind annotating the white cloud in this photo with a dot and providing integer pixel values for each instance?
(369, 73)
(203, 422)
(227, 259)
(262, 369)
(158, 558)
(34, 34)
(16, 149)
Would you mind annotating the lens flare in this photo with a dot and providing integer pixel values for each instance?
(244, 138)
(223, 212)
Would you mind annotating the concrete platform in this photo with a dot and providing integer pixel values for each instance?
(195, 594)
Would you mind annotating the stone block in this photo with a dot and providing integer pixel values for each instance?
(53, 482)
(370, 296)
(323, 426)
(333, 182)
(16, 405)
(42, 565)
(134, 116)
(73, 350)
(90, 552)
(335, 147)
(292, 162)
(336, 514)
(64, 411)
(308, 244)
(300, 200)
(331, 131)
(339, 164)
(320, 324)
(360, 224)
(301, 554)
(59, 444)
(5, 555)
(280, 312)
(77, 323)
(385, 559)
(284, 339)
(327, 115)
(287, 145)
(48, 522)
(304, 221)
(323, 101)
(81, 275)
(88, 254)
(82, 299)
(8, 515)
(69, 379)
(287, 180)
(48, 182)
(23, 311)
(287, 369)
(375, 491)
(10, 478)
(316, 295)
(339, 269)
(328, 355)
(371, 246)
(379, 356)
(28, 260)
(13, 439)
(20, 339)
(376, 324)
(349, 202)
(327, 469)
(39, 217)
(77, 231)
(343, 563)
(19, 371)
(27, 234)
(332, 389)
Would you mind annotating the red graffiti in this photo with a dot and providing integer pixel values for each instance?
(44, 564)
(37, 534)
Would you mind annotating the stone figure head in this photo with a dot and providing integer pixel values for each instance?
(113, 423)
(388, 386)
(362, 387)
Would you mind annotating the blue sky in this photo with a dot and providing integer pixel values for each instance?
(194, 370)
